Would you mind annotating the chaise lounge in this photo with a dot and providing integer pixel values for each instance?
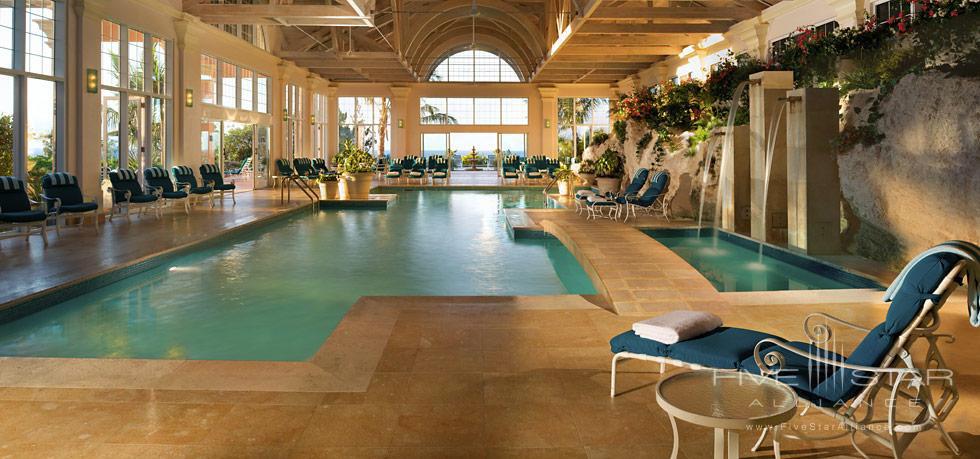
(17, 211)
(127, 193)
(184, 175)
(159, 179)
(62, 193)
(213, 178)
(845, 387)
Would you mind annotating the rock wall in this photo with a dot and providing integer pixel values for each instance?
(921, 184)
(917, 187)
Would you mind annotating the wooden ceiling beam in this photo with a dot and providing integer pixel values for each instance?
(637, 40)
(672, 12)
(598, 28)
(291, 15)
(583, 50)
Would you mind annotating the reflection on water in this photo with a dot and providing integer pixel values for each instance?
(277, 294)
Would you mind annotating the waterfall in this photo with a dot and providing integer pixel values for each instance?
(770, 148)
(727, 150)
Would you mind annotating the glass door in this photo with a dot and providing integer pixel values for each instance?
(210, 141)
(236, 154)
(261, 157)
(136, 157)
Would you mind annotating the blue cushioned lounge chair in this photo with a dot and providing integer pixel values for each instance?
(849, 388)
(184, 175)
(510, 168)
(417, 171)
(320, 166)
(653, 197)
(531, 170)
(213, 178)
(64, 197)
(439, 168)
(304, 168)
(127, 193)
(18, 212)
(159, 179)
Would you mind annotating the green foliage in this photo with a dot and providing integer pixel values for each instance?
(354, 161)
(237, 144)
(587, 167)
(619, 127)
(599, 137)
(610, 164)
(564, 174)
(642, 144)
(6, 145)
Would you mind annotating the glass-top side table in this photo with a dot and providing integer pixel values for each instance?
(728, 402)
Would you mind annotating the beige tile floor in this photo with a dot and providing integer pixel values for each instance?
(456, 377)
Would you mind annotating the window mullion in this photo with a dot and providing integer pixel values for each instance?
(20, 90)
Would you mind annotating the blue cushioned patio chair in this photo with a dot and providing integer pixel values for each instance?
(632, 190)
(159, 179)
(417, 171)
(510, 168)
(304, 168)
(530, 170)
(440, 169)
(18, 212)
(184, 176)
(653, 198)
(882, 373)
(320, 166)
(62, 194)
(212, 177)
(127, 193)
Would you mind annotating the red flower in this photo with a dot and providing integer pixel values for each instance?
(901, 27)
(954, 13)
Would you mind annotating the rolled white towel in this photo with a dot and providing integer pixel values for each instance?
(596, 198)
(584, 193)
(677, 326)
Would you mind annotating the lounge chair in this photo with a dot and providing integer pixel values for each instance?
(18, 212)
(439, 168)
(304, 168)
(510, 168)
(159, 179)
(62, 194)
(394, 171)
(212, 177)
(847, 387)
(652, 198)
(184, 175)
(601, 206)
(417, 172)
(531, 171)
(127, 193)
(320, 166)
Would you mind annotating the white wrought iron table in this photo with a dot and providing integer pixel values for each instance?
(728, 402)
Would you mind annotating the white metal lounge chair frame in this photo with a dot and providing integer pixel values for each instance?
(60, 217)
(26, 229)
(186, 200)
(122, 208)
(907, 381)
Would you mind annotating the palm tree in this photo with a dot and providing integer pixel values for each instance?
(383, 125)
(432, 115)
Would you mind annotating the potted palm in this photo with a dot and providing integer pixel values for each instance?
(609, 171)
(566, 179)
(357, 169)
(586, 170)
(328, 186)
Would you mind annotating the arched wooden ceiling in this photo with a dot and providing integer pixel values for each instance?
(547, 41)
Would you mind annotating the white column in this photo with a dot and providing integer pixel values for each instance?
(548, 122)
(398, 117)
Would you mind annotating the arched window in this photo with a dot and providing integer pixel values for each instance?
(475, 65)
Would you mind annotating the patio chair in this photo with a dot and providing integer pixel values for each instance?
(510, 168)
(304, 168)
(184, 175)
(159, 179)
(62, 194)
(653, 197)
(320, 166)
(394, 171)
(531, 171)
(440, 169)
(846, 388)
(19, 212)
(417, 172)
(127, 193)
(212, 177)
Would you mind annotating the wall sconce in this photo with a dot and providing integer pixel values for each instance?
(92, 81)
(285, 115)
(312, 120)
(401, 123)
(547, 123)
(188, 97)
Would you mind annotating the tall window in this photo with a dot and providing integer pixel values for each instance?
(470, 111)
(474, 66)
(777, 47)
(136, 99)
(292, 102)
(231, 86)
(485, 143)
(31, 88)
(365, 121)
(578, 120)
(893, 9)
(319, 126)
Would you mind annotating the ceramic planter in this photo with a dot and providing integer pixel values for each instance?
(587, 178)
(329, 190)
(360, 187)
(564, 188)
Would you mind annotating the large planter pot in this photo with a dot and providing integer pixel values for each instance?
(565, 188)
(360, 187)
(588, 178)
(607, 184)
(329, 190)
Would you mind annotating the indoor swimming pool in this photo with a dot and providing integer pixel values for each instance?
(277, 292)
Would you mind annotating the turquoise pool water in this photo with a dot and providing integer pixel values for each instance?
(278, 292)
(732, 264)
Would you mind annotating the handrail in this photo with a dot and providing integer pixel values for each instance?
(303, 186)
(553, 182)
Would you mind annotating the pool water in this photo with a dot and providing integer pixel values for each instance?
(277, 292)
(732, 265)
